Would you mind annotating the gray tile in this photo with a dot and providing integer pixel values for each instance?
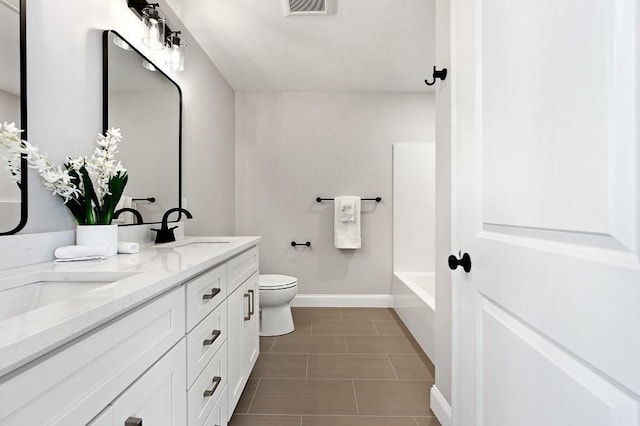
(357, 421)
(389, 327)
(367, 313)
(349, 366)
(427, 421)
(300, 343)
(302, 326)
(304, 396)
(266, 343)
(343, 327)
(301, 314)
(280, 366)
(381, 344)
(247, 395)
(412, 366)
(393, 397)
(266, 420)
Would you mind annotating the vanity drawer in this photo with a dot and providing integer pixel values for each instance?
(218, 416)
(204, 341)
(242, 267)
(204, 293)
(207, 389)
(79, 380)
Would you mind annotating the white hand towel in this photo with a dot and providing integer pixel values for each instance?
(127, 247)
(71, 252)
(346, 222)
(346, 206)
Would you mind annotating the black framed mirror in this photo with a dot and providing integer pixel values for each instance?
(13, 108)
(146, 105)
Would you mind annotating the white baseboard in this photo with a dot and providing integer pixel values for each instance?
(440, 407)
(343, 300)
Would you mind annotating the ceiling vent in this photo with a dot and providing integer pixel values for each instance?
(308, 7)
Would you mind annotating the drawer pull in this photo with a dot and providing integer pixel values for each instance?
(215, 334)
(216, 382)
(133, 421)
(251, 303)
(214, 293)
(248, 317)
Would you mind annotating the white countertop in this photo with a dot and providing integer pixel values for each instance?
(155, 270)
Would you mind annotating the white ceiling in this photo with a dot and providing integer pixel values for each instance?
(368, 45)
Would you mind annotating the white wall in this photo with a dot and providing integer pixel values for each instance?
(9, 215)
(145, 116)
(65, 107)
(292, 147)
(444, 118)
(414, 209)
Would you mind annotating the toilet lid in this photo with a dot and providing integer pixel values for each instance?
(274, 282)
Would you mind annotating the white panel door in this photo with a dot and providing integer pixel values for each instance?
(547, 203)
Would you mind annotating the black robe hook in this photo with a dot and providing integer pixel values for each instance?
(441, 74)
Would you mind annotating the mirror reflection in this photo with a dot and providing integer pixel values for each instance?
(146, 105)
(12, 208)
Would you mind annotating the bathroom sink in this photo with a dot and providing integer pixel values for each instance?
(193, 242)
(27, 292)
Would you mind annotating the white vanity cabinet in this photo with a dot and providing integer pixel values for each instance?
(206, 344)
(182, 358)
(77, 381)
(157, 398)
(243, 322)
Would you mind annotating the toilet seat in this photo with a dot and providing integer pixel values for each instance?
(276, 282)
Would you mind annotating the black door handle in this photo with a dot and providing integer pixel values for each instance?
(464, 261)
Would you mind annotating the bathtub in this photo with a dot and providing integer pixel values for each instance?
(414, 302)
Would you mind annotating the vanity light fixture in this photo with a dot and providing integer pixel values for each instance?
(154, 24)
(158, 35)
(175, 51)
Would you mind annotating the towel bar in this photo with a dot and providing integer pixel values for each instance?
(149, 199)
(377, 199)
(293, 244)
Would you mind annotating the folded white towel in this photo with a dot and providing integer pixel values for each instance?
(346, 223)
(78, 259)
(71, 252)
(128, 248)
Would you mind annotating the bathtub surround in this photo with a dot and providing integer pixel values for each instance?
(414, 207)
(294, 146)
(415, 303)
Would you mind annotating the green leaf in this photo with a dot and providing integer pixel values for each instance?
(90, 197)
(116, 188)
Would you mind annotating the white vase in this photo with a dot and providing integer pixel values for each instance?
(98, 235)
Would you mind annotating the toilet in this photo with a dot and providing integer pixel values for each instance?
(276, 292)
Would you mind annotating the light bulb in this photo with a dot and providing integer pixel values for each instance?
(154, 28)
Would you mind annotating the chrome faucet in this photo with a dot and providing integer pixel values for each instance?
(135, 212)
(165, 234)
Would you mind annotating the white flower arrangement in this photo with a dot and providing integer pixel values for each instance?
(90, 187)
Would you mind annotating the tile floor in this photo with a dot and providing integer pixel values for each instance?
(340, 367)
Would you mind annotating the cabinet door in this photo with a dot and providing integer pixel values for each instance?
(251, 327)
(103, 419)
(158, 397)
(238, 310)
